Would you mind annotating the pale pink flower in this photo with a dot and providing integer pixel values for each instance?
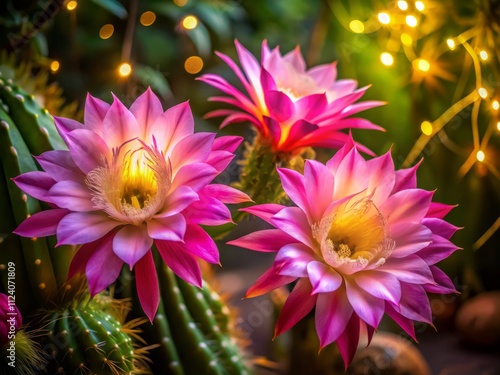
(131, 179)
(10, 320)
(290, 106)
(362, 241)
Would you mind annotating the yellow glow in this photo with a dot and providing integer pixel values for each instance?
(422, 65)
(451, 44)
(406, 39)
(124, 69)
(426, 128)
(180, 3)
(147, 18)
(495, 105)
(480, 156)
(498, 126)
(419, 5)
(384, 18)
(356, 26)
(54, 66)
(193, 64)
(403, 5)
(483, 55)
(387, 59)
(482, 92)
(411, 21)
(71, 5)
(190, 22)
(106, 31)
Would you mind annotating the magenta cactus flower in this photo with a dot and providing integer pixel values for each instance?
(10, 320)
(130, 179)
(362, 241)
(290, 106)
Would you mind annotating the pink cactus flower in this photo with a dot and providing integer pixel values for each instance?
(133, 178)
(362, 241)
(10, 320)
(290, 106)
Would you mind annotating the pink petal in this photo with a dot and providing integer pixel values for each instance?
(293, 220)
(445, 285)
(324, 279)
(208, 211)
(80, 259)
(380, 284)
(227, 143)
(268, 281)
(280, 106)
(439, 210)
(41, 224)
(298, 131)
(146, 280)
(272, 130)
(220, 159)
(66, 125)
(95, 112)
(414, 303)
(311, 106)
(170, 228)
(381, 178)
(334, 163)
(369, 308)
(264, 211)
(225, 194)
(267, 81)
(407, 206)
(181, 262)
(318, 183)
(103, 266)
(410, 269)
(250, 65)
(348, 341)
(405, 323)
(146, 109)
(82, 227)
(323, 73)
(195, 176)
(406, 179)
(267, 240)
(359, 107)
(35, 183)
(131, 243)
(440, 248)
(194, 148)
(298, 304)
(293, 185)
(87, 149)
(60, 166)
(199, 243)
(351, 176)
(293, 259)
(173, 125)
(119, 124)
(409, 238)
(440, 227)
(332, 315)
(177, 201)
(71, 195)
(295, 58)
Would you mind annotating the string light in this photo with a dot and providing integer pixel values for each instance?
(356, 26)
(483, 55)
(54, 66)
(387, 59)
(426, 128)
(384, 18)
(482, 92)
(422, 65)
(106, 31)
(451, 44)
(193, 64)
(71, 5)
(480, 156)
(411, 21)
(403, 5)
(190, 22)
(419, 5)
(124, 69)
(406, 39)
(147, 18)
(498, 126)
(495, 105)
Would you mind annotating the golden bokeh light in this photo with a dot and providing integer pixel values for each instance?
(106, 31)
(419, 5)
(356, 26)
(411, 21)
(406, 39)
(147, 18)
(54, 66)
(193, 64)
(387, 59)
(483, 55)
(482, 92)
(71, 5)
(403, 5)
(124, 69)
(189, 22)
(426, 128)
(480, 156)
(451, 44)
(384, 18)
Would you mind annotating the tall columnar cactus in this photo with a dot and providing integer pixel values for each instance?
(193, 329)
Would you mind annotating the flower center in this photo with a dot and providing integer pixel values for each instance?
(354, 235)
(132, 186)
